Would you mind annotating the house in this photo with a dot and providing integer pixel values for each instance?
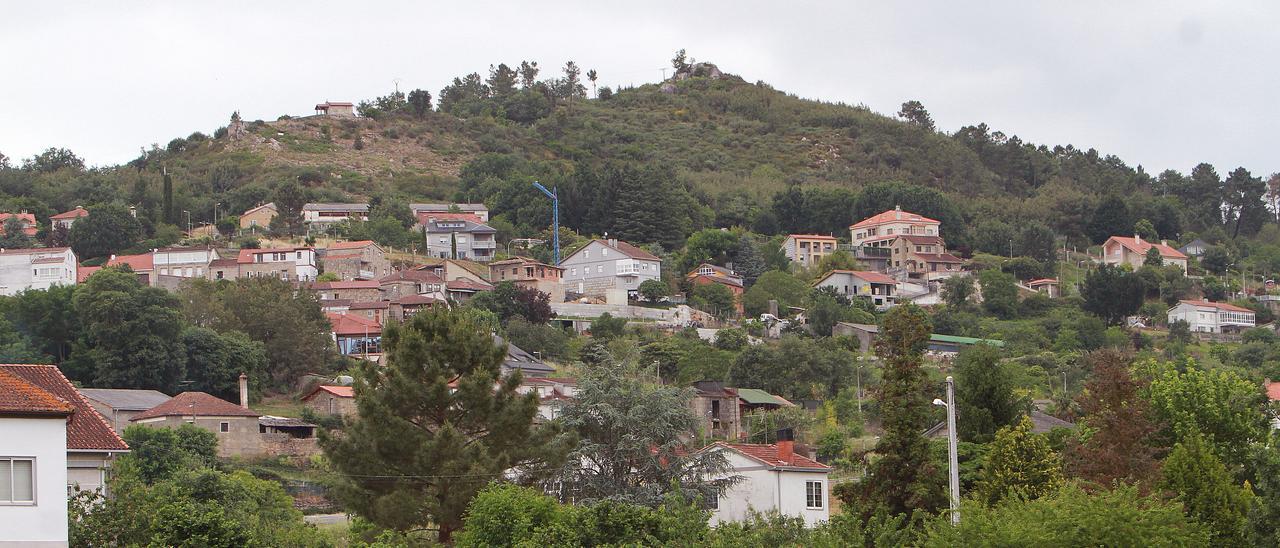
(773, 478)
(808, 249)
(361, 260)
(716, 408)
(891, 223)
(28, 220)
(552, 394)
(1047, 286)
(1195, 248)
(609, 268)
(459, 239)
(462, 289)
(376, 311)
(91, 446)
(335, 108)
(259, 217)
(118, 406)
(142, 265)
(321, 216)
(331, 401)
(425, 217)
(1119, 250)
(236, 426)
(518, 359)
(224, 269)
(865, 333)
(753, 400)
(528, 273)
(22, 269)
(357, 291)
(1211, 317)
(408, 306)
(402, 283)
(183, 262)
(33, 464)
(287, 263)
(920, 257)
(707, 273)
(356, 335)
(68, 218)
(878, 288)
(479, 210)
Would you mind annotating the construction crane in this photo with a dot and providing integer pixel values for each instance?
(555, 219)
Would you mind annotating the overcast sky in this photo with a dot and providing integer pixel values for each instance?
(1161, 84)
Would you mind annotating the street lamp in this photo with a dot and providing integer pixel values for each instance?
(188, 221)
(953, 463)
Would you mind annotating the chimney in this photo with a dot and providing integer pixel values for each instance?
(244, 391)
(786, 445)
(1137, 238)
(1164, 243)
(773, 307)
(897, 212)
(613, 242)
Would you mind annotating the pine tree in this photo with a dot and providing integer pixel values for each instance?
(1207, 491)
(1019, 462)
(437, 422)
(1121, 447)
(984, 394)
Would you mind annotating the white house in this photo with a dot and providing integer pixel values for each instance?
(33, 464)
(288, 263)
(1210, 317)
(22, 269)
(323, 215)
(807, 250)
(68, 218)
(609, 268)
(773, 478)
(874, 286)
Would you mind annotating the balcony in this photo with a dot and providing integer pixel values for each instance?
(484, 244)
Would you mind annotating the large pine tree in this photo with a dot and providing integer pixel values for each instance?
(437, 422)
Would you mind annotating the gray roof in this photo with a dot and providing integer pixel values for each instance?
(364, 208)
(449, 226)
(272, 420)
(863, 327)
(527, 363)
(442, 208)
(122, 399)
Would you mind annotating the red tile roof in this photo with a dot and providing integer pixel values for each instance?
(426, 216)
(415, 300)
(895, 215)
(339, 391)
(73, 214)
(18, 397)
(812, 236)
(870, 277)
(921, 239)
(353, 284)
(28, 222)
(86, 430)
(423, 276)
(353, 324)
(199, 404)
(83, 272)
(768, 455)
(939, 258)
(1042, 281)
(1219, 306)
(351, 245)
(137, 263)
(1142, 246)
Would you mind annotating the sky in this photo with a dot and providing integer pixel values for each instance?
(1165, 85)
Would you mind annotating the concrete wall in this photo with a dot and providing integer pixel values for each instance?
(45, 522)
(18, 273)
(324, 403)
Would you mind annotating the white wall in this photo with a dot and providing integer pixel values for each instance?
(45, 523)
(763, 490)
(17, 273)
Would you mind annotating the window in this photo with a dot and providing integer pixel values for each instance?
(813, 495)
(599, 269)
(573, 272)
(604, 252)
(712, 502)
(299, 254)
(17, 480)
(224, 427)
(586, 254)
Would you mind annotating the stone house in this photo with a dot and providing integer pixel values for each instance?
(356, 291)
(376, 311)
(118, 406)
(406, 307)
(360, 260)
(236, 426)
(356, 335)
(287, 263)
(402, 283)
(921, 257)
(609, 268)
(224, 269)
(329, 400)
(68, 218)
(526, 272)
(335, 108)
(808, 250)
(717, 410)
(1119, 250)
(258, 217)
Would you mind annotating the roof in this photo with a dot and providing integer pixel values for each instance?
(223, 263)
(268, 205)
(423, 276)
(1219, 306)
(467, 285)
(865, 275)
(1273, 390)
(86, 430)
(869, 328)
(446, 207)
(272, 420)
(358, 244)
(768, 455)
(432, 226)
(415, 300)
(362, 208)
(522, 261)
(73, 214)
(125, 399)
(137, 263)
(197, 404)
(30, 217)
(1141, 247)
(426, 216)
(353, 324)
(939, 258)
(33, 250)
(334, 104)
(480, 270)
(517, 358)
(718, 274)
(368, 305)
(1042, 281)
(812, 236)
(1196, 243)
(353, 284)
(19, 397)
(338, 391)
(620, 246)
(755, 396)
(895, 215)
(964, 340)
(922, 240)
(48, 260)
(83, 272)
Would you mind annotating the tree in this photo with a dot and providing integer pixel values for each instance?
(914, 112)
(12, 235)
(105, 231)
(774, 285)
(1216, 259)
(904, 478)
(608, 327)
(714, 298)
(215, 361)
(1111, 218)
(160, 453)
(984, 390)
(1153, 258)
(653, 290)
(129, 334)
(999, 293)
(592, 75)
(571, 85)
(1036, 240)
(826, 308)
(167, 214)
(528, 74)
(1243, 206)
(840, 260)
(502, 81)
(1147, 231)
(957, 290)
(1121, 447)
(509, 301)
(439, 415)
(1264, 467)
(53, 159)
(731, 338)
(1112, 293)
(680, 62)
(630, 442)
(1019, 463)
(289, 199)
(1207, 491)
(420, 101)
(1219, 406)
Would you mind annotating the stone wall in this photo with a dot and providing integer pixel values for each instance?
(284, 445)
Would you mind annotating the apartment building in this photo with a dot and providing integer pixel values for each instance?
(808, 249)
(22, 269)
(891, 223)
(609, 268)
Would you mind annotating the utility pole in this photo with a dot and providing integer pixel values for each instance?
(554, 194)
(953, 460)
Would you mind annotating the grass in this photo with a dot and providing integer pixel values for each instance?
(280, 406)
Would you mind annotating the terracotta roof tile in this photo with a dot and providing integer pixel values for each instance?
(463, 284)
(1142, 246)
(353, 284)
(195, 403)
(83, 272)
(1273, 391)
(137, 263)
(339, 391)
(86, 430)
(895, 215)
(768, 454)
(20, 397)
(73, 214)
(353, 324)
(423, 276)
(1219, 306)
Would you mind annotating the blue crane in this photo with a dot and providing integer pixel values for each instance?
(555, 219)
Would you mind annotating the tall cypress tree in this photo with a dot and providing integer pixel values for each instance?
(437, 422)
(167, 215)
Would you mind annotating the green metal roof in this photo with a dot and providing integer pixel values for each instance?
(965, 340)
(756, 396)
